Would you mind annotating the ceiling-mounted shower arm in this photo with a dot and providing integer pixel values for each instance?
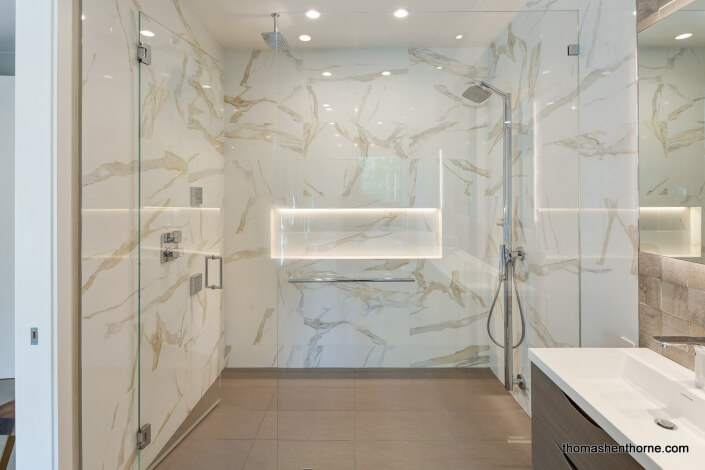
(275, 16)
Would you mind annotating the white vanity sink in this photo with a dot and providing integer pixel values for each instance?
(625, 390)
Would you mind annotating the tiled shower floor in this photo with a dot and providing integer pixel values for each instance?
(358, 419)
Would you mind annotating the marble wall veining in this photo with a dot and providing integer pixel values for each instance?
(607, 143)
(181, 133)
(671, 138)
(356, 139)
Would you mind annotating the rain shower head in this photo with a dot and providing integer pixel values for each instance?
(477, 92)
(275, 39)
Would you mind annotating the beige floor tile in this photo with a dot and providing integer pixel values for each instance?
(485, 455)
(263, 456)
(246, 397)
(316, 399)
(316, 425)
(226, 422)
(316, 382)
(206, 453)
(408, 455)
(494, 425)
(318, 455)
(392, 395)
(468, 398)
(402, 426)
(268, 429)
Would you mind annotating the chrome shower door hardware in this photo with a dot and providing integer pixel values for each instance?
(170, 246)
(144, 53)
(214, 286)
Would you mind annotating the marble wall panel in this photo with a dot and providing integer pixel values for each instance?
(608, 175)
(671, 109)
(181, 131)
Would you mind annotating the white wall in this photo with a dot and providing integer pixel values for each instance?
(7, 234)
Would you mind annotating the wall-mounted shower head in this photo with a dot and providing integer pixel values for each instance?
(275, 39)
(477, 92)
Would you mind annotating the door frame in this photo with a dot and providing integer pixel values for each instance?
(47, 233)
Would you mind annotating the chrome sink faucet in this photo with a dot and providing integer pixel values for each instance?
(698, 343)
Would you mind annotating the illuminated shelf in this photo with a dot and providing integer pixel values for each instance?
(671, 231)
(377, 233)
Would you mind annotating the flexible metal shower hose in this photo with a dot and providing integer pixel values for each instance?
(521, 310)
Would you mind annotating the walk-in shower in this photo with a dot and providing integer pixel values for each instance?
(479, 92)
(351, 184)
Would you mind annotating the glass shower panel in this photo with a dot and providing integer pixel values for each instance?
(377, 152)
(181, 194)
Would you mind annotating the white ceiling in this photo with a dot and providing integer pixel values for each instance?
(238, 24)
(690, 19)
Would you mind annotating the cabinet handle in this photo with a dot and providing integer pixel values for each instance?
(569, 461)
(214, 286)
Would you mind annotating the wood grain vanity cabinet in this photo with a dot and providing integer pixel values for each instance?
(556, 420)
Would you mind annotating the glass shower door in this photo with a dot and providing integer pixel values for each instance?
(180, 225)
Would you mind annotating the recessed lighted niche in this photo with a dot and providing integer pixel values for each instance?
(380, 233)
(671, 231)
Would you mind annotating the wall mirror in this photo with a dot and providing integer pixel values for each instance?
(671, 134)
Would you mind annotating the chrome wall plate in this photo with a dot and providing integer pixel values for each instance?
(170, 246)
(172, 237)
(573, 49)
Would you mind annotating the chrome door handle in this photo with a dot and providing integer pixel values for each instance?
(214, 286)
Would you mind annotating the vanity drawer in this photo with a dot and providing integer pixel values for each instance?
(565, 422)
(545, 451)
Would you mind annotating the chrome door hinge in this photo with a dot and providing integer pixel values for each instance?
(144, 53)
(144, 436)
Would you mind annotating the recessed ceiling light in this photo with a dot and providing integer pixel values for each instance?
(325, 105)
(401, 13)
(305, 38)
(326, 74)
(439, 67)
(459, 36)
(83, 17)
(546, 72)
(329, 109)
(206, 86)
(386, 73)
(313, 14)
(108, 76)
(149, 34)
(684, 36)
(379, 122)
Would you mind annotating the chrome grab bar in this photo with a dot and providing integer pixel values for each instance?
(214, 257)
(345, 279)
